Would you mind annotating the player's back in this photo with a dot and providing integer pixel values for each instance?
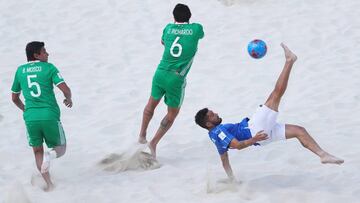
(180, 41)
(36, 79)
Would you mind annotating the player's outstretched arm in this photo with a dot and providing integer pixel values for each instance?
(67, 94)
(17, 101)
(246, 143)
(226, 164)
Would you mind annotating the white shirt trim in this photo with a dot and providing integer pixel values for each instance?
(177, 23)
(16, 92)
(59, 83)
(33, 61)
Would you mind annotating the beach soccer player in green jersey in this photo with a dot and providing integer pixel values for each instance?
(41, 112)
(180, 40)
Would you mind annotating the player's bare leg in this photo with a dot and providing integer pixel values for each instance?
(165, 125)
(39, 153)
(294, 131)
(147, 115)
(54, 153)
(274, 99)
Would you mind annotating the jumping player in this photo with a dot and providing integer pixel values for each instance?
(180, 40)
(262, 128)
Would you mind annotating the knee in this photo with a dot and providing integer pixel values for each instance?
(165, 122)
(38, 150)
(301, 131)
(301, 135)
(170, 117)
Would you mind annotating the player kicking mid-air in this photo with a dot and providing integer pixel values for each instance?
(262, 128)
(180, 40)
(41, 112)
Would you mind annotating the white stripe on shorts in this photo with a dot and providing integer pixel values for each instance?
(182, 92)
(28, 136)
(182, 73)
(61, 133)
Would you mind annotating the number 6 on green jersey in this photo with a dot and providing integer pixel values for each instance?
(175, 44)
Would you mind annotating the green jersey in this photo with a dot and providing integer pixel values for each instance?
(180, 41)
(36, 79)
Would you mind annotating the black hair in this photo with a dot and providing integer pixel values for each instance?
(182, 13)
(201, 118)
(33, 48)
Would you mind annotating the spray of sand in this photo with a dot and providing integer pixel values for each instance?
(132, 159)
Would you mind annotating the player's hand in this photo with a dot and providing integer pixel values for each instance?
(261, 135)
(68, 102)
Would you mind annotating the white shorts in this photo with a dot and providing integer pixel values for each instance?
(265, 119)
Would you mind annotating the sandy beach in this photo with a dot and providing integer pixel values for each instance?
(107, 51)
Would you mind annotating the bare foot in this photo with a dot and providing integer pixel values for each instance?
(41, 182)
(152, 150)
(289, 55)
(49, 187)
(142, 139)
(330, 159)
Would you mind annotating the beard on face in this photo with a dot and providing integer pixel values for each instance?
(219, 121)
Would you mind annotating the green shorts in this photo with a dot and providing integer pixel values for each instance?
(169, 84)
(51, 132)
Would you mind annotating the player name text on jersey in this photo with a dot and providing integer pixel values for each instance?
(32, 69)
(180, 31)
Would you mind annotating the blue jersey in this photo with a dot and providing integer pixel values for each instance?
(222, 134)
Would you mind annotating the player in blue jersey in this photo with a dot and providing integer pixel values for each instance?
(262, 128)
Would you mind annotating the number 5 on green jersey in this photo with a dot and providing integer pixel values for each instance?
(37, 86)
